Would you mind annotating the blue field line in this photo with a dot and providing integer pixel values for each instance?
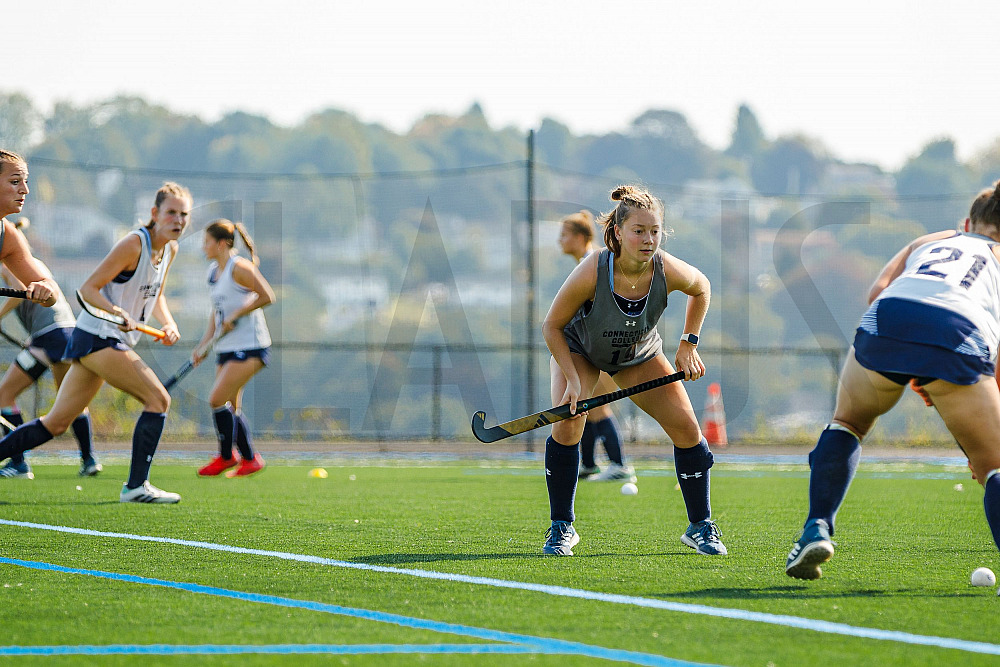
(813, 625)
(537, 644)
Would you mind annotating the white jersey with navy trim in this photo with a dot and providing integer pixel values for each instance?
(960, 274)
(228, 296)
(134, 292)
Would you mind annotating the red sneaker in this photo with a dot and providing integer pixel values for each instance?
(248, 467)
(217, 466)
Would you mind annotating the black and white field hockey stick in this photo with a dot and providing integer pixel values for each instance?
(552, 415)
(12, 293)
(188, 366)
(102, 314)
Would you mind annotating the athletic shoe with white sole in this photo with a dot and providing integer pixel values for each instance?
(147, 493)
(12, 470)
(811, 549)
(615, 473)
(90, 467)
(561, 538)
(587, 471)
(705, 538)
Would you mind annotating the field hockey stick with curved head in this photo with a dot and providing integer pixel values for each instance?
(557, 414)
(114, 318)
(188, 366)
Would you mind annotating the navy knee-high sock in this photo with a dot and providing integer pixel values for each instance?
(607, 431)
(23, 438)
(82, 432)
(587, 445)
(692, 466)
(225, 430)
(991, 503)
(244, 442)
(145, 438)
(833, 463)
(14, 417)
(561, 466)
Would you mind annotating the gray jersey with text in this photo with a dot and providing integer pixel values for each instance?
(607, 337)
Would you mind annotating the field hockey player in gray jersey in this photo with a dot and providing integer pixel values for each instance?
(123, 291)
(604, 319)
(242, 343)
(49, 331)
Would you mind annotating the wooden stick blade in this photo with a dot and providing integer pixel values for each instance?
(545, 417)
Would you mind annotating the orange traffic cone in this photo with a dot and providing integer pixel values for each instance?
(714, 422)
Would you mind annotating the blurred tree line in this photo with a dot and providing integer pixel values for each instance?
(337, 177)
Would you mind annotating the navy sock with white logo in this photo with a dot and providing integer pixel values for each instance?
(561, 466)
(692, 465)
(145, 439)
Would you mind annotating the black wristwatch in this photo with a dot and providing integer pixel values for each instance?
(690, 338)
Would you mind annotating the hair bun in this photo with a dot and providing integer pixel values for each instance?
(621, 192)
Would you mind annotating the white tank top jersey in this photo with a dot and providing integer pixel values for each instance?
(959, 273)
(228, 296)
(135, 292)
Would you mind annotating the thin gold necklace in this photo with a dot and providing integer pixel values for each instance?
(629, 280)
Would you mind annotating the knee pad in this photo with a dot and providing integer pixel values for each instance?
(30, 364)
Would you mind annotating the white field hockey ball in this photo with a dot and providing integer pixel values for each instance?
(983, 576)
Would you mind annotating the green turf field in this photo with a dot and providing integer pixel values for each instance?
(340, 585)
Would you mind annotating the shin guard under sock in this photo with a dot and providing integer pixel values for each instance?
(145, 439)
(561, 466)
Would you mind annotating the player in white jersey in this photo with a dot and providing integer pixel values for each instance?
(14, 251)
(243, 344)
(129, 282)
(49, 331)
(576, 239)
(934, 320)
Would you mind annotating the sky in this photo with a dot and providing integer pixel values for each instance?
(871, 81)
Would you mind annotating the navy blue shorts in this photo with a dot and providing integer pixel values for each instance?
(262, 353)
(82, 343)
(900, 361)
(54, 342)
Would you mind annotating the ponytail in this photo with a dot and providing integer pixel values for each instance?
(226, 230)
(248, 242)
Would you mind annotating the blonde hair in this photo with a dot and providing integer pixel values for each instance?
(581, 222)
(986, 207)
(169, 189)
(630, 198)
(226, 230)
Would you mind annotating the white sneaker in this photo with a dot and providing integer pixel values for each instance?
(147, 493)
(615, 473)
